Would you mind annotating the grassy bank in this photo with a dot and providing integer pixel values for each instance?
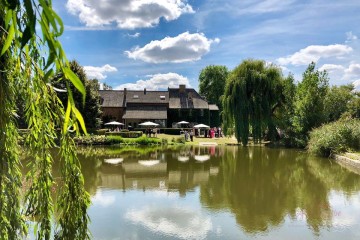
(161, 139)
(336, 137)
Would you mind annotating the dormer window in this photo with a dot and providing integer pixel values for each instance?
(162, 97)
(136, 96)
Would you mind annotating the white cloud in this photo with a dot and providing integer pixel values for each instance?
(353, 70)
(266, 6)
(176, 222)
(331, 67)
(103, 200)
(127, 14)
(350, 37)
(98, 72)
(157, 81)
(314, 52)
(182, 48)
(135, 35)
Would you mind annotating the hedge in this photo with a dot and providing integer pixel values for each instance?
(125, 134)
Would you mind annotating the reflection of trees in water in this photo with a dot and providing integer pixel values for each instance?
(261, 186)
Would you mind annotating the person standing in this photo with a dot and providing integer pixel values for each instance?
(192, 135)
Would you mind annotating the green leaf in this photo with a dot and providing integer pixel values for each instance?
(79, 118)
(30, 25)
(70, 75)
(9, 38)
(67, 116)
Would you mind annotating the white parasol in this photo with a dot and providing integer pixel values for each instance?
(201, 126)
(148, 124)
(114, 123)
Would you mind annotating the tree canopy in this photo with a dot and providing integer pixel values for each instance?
(309, 106)
(90, 110)
(212, 81)
(252, 93)
(29, 56)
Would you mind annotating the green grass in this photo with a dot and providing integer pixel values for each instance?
(197, 140)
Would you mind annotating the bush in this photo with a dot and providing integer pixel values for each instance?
(335, 137)
(126, 134)
(91, 140)
(114, 139)
(147, 141)
(101, 131)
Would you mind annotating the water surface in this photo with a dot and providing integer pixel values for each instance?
(219, 193)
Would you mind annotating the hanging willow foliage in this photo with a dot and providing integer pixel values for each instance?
(29, 59)
(252, 93)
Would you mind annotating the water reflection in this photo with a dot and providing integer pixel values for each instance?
(261, 188)
(181, 222)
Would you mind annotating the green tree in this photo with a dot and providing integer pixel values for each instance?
(309, 107)
(29, 56)
(353, 107)
(252, 94)
(105, 86)
(285, 113)
(91, 109)
(336, 101)
(212, 81)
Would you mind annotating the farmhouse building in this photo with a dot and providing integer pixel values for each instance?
(163, 107)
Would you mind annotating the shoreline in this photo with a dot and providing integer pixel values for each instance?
(347, 162)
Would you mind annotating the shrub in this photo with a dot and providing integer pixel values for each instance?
(180, 140)
(91, 140)
(146, 141)
(126, 134)
(335, 137)
(171, 131)
(101, 131)
(115, 139)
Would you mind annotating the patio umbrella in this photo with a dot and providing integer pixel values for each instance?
(201, 126)
(183, 122)
(113, 123)
(148, 124)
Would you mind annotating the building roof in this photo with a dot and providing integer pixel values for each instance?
(146, 112)
(213, 107)
(175, 98)
(186, 99)
(112, 98)
(147, 97)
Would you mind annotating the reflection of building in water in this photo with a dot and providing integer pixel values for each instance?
(152, 174)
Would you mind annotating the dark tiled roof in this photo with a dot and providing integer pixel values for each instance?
(146, 112)
(187, 99)
(112, 98)
(149, 97)
(213, 107)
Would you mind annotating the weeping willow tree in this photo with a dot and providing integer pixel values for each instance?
(28, 59)
(253, 92)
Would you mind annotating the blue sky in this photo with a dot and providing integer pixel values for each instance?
(159, 43)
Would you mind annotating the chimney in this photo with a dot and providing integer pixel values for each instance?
(124, 98)
(182, 88)
(144, 91)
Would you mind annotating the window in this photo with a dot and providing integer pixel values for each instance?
(162, 97)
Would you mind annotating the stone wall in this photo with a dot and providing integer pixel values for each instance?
(352, 165)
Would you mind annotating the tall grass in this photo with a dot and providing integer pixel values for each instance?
(335, 137)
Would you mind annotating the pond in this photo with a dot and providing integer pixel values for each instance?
(219, 193)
